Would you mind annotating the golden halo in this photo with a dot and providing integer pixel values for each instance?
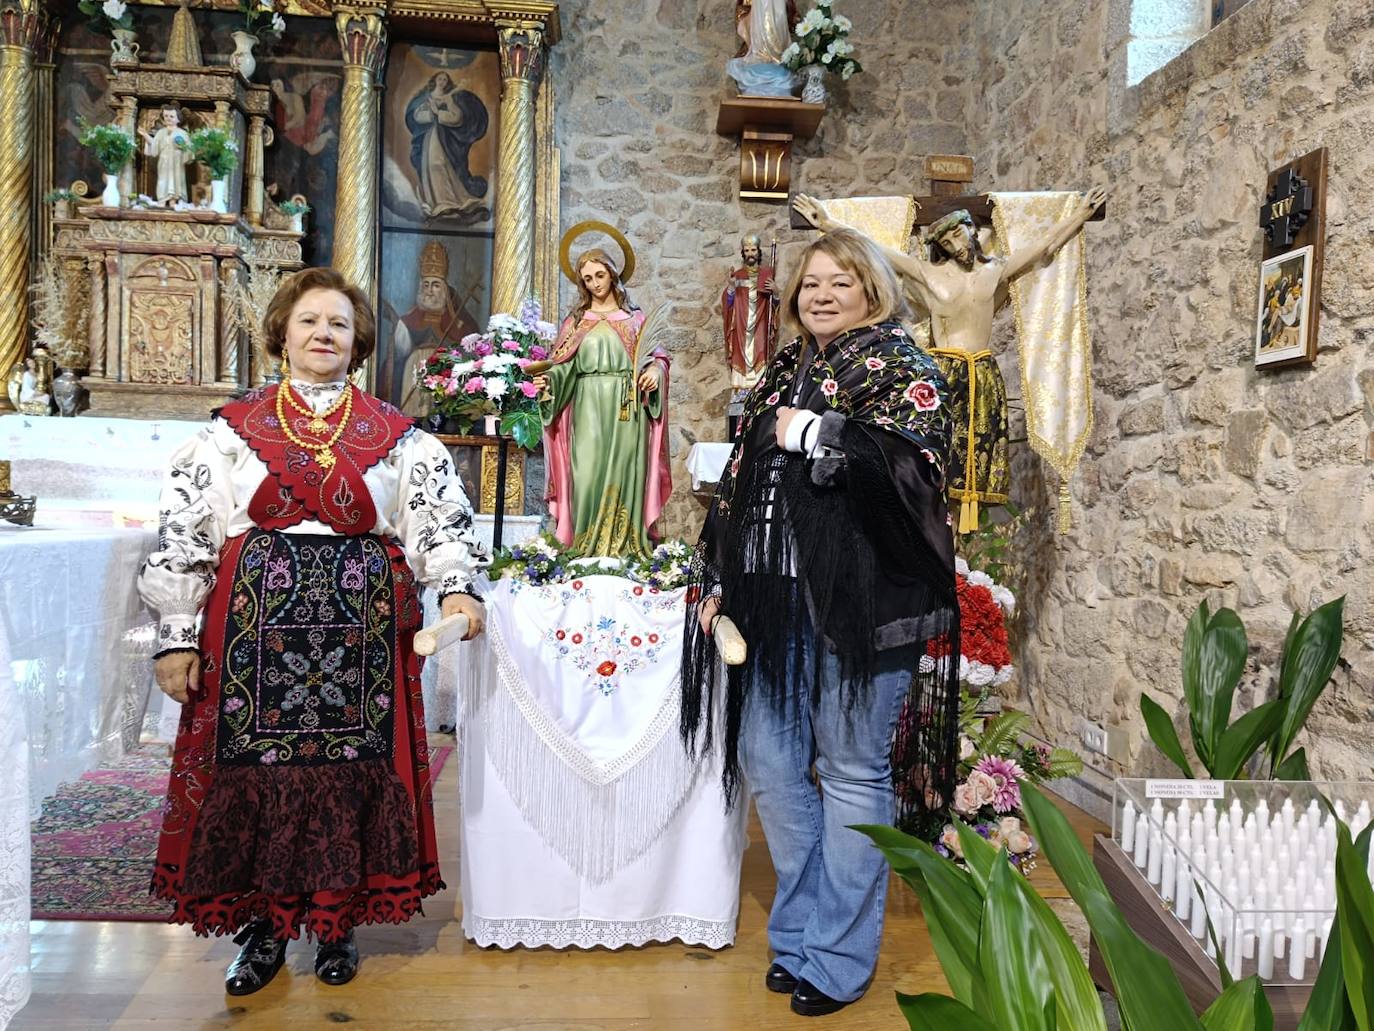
(627, 253)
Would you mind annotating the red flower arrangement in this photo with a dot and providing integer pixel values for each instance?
(984, 652)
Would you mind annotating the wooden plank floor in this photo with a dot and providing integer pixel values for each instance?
(424, 974)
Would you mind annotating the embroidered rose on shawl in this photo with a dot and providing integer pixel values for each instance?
(924, 396)
(773, 398)
(874, 364)
(829, 387)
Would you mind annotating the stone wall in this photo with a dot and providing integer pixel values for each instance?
(638, 87)
(1204, 478)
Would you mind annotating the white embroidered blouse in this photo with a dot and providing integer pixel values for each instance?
(419, 500)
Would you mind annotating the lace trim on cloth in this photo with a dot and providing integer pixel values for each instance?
(598, 819)
(588, 934)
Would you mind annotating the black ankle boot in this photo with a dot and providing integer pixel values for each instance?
(336, 963)
(257, 962)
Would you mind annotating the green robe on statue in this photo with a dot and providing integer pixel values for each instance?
(608, 476)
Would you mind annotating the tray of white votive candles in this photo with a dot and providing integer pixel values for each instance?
(1256, 857)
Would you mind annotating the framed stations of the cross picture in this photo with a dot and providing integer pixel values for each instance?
(1293, 223)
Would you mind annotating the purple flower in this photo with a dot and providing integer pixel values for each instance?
(383, 701)
(350, 752)
(269, 756)
(482, 349)
(233, 705)
(538, 353)
(1005, 773)
(529, 313)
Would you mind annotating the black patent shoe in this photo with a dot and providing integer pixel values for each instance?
(257, 962)
(779, 980)
(336, 963)
(810, 1001)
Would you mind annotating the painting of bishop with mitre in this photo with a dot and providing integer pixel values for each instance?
(438, 319)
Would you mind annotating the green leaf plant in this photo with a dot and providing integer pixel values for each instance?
(1214, 652)
(1011, 965)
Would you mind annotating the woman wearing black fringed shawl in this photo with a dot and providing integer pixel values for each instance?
(829, 544)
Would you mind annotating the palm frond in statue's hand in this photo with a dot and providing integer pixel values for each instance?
(653, 334)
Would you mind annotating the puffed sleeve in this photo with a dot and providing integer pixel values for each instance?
(194, 509)
(434, 518)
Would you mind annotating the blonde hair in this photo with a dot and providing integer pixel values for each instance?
(862, 258)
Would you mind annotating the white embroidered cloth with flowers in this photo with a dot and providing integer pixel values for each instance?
(584, 822)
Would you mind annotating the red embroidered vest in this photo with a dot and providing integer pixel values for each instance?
(297, 488)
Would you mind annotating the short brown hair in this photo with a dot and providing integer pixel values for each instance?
(300, 283)
(856, 254)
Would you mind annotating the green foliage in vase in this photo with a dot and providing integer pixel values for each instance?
(1215, 650)
(111, 145)
(216, 150)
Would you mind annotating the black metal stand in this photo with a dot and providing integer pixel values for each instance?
(504, 443)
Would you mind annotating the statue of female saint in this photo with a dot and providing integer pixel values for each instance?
(171, 148)
(605, 417)
(765, 29)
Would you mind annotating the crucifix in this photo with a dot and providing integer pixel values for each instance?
(956, 283)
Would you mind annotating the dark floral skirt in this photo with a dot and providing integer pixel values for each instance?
(300, 783)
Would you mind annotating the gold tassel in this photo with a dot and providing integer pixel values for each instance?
(1065, 522)
(968, 514)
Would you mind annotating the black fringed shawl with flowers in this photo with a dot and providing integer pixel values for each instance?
(861, 536)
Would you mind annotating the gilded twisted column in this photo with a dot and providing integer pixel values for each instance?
(21, 21)
(362, 36)
(523, 54)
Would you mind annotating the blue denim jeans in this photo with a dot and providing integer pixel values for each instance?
(827, 917)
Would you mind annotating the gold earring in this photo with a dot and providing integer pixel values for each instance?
(285, 366)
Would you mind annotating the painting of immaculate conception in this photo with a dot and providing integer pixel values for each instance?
(440, 161)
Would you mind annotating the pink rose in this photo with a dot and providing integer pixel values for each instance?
(772, 398)
(511, 345)
(451, 387)
(529, 389)
(538, 353)
(950, 839)
(923, 395)
(475, 385)
(965, 800)
(829, 387)
(482, 349)
(983, 786)
(874, 364)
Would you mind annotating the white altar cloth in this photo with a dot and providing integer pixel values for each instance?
(15, 977)
(67, 600)
(583, 821)
(706, 462)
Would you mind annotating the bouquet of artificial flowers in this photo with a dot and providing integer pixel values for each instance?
(667, 568)
(822, 38)
(485, 375)
(540, 560)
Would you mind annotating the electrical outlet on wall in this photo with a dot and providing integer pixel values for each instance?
(1093, 736)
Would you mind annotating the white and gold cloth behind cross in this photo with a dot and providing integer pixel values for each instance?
(1050, 302)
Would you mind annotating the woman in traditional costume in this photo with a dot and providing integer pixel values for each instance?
(299, 525)
(605, 420)
(829, 545)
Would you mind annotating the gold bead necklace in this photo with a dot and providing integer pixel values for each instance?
(317, 419)
(323, 452)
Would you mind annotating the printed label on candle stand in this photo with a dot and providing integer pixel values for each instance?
(1185, 789)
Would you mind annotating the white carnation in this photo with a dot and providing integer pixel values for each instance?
(496, 387)
(114, 9)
